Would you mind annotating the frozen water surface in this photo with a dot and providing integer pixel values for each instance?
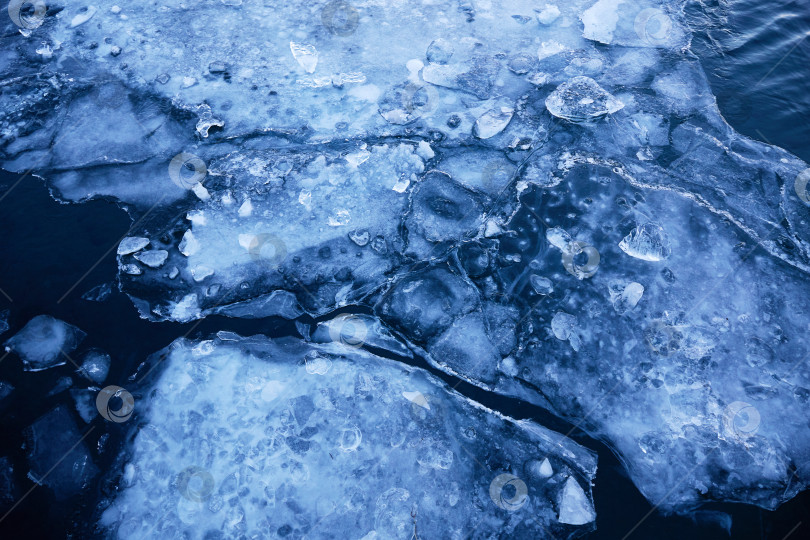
(248, 436)
(542, 199)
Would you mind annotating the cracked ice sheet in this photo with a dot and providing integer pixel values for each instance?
(686, 352)
(299, 440)
(668, 136)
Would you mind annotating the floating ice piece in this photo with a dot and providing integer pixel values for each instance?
(305, 55)
(99, 293)
(648, 242)
(95, 365)
(625, 295)
(541, 285)
(131, 244)
(153, 258)
(44, 342)
(581, 99)
(57, 454)
(493, 122)
(4, 321)
(302, 445)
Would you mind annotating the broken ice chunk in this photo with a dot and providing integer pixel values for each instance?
(575, 507)
(95, 365)
(305, 55)
(562, 325)
(493, 122)
(99, 293)
(624, 296)
(57, 454)
(548, 14)
(648, 242)
(44, 342)
(85, 401)
(581, 99)
(131, 244)
(301, 429)
(642, 23)
(541, 285)
(153, 258)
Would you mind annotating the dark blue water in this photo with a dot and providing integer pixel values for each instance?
(756, 57)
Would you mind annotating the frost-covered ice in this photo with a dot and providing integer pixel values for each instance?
(241, 436)
(44, 342)
(541, 198)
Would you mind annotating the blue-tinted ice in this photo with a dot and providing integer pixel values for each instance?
(544, 200)
(246, 437)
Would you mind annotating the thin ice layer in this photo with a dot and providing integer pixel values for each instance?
(291, 439)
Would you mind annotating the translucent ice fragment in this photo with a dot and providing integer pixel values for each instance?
(581, 99)
(305, 55)
(493, 122)
(648, 242)
(44, 342)
(131, 244)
